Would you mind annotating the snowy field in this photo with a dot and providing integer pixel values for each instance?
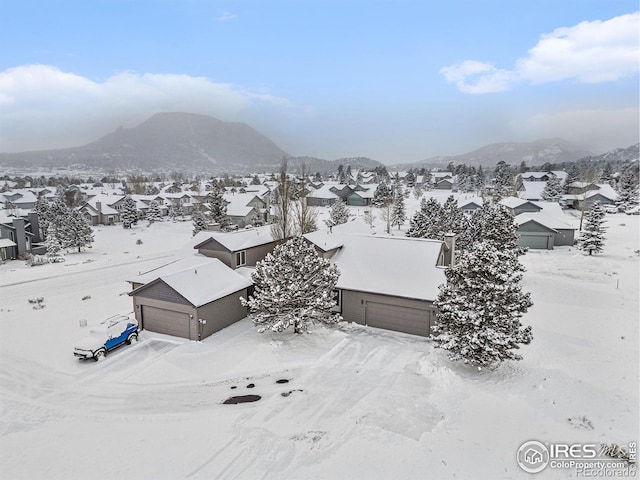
(359, 402)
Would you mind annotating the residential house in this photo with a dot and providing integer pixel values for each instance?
(237, 249)
(391, 282)
(99, 210)
(18, 236)
(327, 241)
(470, 205)
(583, 194)
(190, 298)
(242, 208)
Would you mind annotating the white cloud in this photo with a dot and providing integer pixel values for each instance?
(471, 76)
(599, 130)
(591, 52)
(44, 107)
(226, 16)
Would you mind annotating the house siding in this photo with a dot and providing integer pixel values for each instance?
(525, 208)
(564, 237)
(162, 291)
(222, 313)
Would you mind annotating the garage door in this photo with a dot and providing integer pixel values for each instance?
(534, 241)
(165, 321)
(398, 319)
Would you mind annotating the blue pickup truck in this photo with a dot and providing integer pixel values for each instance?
(111, 333)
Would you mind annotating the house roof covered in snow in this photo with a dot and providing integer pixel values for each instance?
(463, 202)
(531, 190)
(328, 239)
(202, 283)
(605, 190)
(397, 266)
(242, 239)
(323, 192)
(514, 202)
(104, 201)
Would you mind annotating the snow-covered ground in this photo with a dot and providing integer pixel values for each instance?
(359, 402)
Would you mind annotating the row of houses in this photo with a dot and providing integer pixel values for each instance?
(385, 282)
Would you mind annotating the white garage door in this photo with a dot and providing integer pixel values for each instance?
(398, 319)
(165, 321)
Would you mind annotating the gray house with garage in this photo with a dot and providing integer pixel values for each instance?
(237, 249)
(191, 298)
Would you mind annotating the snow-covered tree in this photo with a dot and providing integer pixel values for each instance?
(425, 222)
(53, 245)
(503, 178)
(153, 213)
(77, 232)
(592, 237)
(553, 190)
(43, 210)
(293, 288)
(283, 221)
(418, 191)
(338, 214)
(128, 212)
(398, 209)
(452, 220)
(199, 222)
(494, 224)
(217, 206)
(383, 199)
(480, 307)
(628, 187)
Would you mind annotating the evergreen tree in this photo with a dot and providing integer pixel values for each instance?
(425, 222)
(217, 206)
(199, 222)
(342, 177)
(494, 224)
(128, 212)
(628, 187)
(480, 179)
(382, 196)
(43, 210)
(553, 190)
(503, 179)
(338, 214)
(480, 307)
(293, 288)
(452, 220)
(398, 209)
(418, 191)
(77, 232)
(592, 237)
(573, 175)
(59, 214)
(53, 246)
(153, 213)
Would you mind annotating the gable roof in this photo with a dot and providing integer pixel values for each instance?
(534, 218)
(532, 190)
(515, 202)
(331, 238)
(204, 282)
(478, 201)
(242, 239)
(397, 266)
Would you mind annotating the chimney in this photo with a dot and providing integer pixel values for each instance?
(450, 249)
(99, 206)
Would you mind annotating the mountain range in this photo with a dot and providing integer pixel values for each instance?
(194, 143)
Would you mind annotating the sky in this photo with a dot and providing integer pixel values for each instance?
(397, 81)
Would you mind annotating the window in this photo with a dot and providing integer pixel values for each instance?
(337, 298)
(241, 258)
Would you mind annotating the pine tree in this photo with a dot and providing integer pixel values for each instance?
(43, 210)
(128, 212)
(592, 237)
(553, 190)
(199, 222)
(452, 220)
(628, 187)
(293, 288)
(338, 214)
(153, 213)
(77, 232)
(53, 245)
(494, 224)
(426, 221)
(573, 175)
(217, 207)
(383, 199)
(480, 307)
(503, 178)
(398, 210)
